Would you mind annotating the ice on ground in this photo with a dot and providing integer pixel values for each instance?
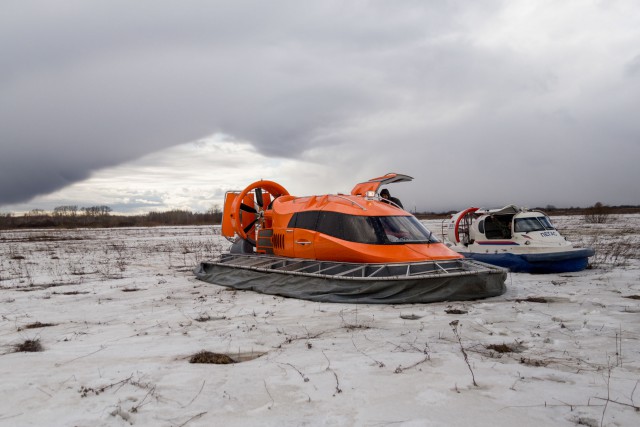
(118, 314)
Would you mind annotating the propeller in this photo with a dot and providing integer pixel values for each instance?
(259, 200)
(251, 210)
(247, 208)
(250, 226)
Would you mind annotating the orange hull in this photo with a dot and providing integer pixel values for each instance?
(348, 228)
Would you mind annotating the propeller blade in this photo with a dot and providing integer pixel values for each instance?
(259, 197)
(250, 226)
(247, 208)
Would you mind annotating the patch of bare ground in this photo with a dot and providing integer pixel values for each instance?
(45, 286)
(455, 311)
(71, 293)
(410, 316)
(29, 346)
(211, 358)
(533, 362)
(35, 325)
(502, 348)
(541, 300)
(28, 289)
(498, 350)
(207, 318)
(633, 296)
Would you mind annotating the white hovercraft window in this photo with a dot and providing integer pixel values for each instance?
(537, 223)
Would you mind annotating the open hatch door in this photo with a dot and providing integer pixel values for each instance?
(374, 183)
(507, 210)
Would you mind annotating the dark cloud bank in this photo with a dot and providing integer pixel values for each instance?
(428, 89)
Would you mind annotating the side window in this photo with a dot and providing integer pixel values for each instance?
(481, 226)
(352, 228)
(292, 221)
(519, 226)
(306, 220)
(330, 223)
(492, 228)
(547, 223)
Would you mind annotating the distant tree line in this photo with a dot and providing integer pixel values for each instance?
(594, 214)
(100, 216)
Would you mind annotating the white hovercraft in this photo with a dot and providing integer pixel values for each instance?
(515, 238)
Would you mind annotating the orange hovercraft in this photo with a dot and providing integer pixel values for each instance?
(350, 248)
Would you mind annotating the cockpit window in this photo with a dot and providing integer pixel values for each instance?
(405, 229)
(537, 223)
(382, 230)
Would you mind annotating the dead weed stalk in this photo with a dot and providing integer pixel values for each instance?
(454, 326)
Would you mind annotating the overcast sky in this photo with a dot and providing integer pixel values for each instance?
(158, 105)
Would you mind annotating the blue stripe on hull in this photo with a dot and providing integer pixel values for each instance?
(546, 263)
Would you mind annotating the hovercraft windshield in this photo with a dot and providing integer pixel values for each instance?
(535, 223)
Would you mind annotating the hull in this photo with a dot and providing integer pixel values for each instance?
(537, 263)
(342, 282)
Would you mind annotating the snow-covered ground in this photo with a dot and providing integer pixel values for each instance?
(119, 314)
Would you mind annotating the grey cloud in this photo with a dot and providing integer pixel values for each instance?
(633, 67)
(86, 85)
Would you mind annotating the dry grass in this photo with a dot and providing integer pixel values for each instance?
(73, 256)
(615, 252)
